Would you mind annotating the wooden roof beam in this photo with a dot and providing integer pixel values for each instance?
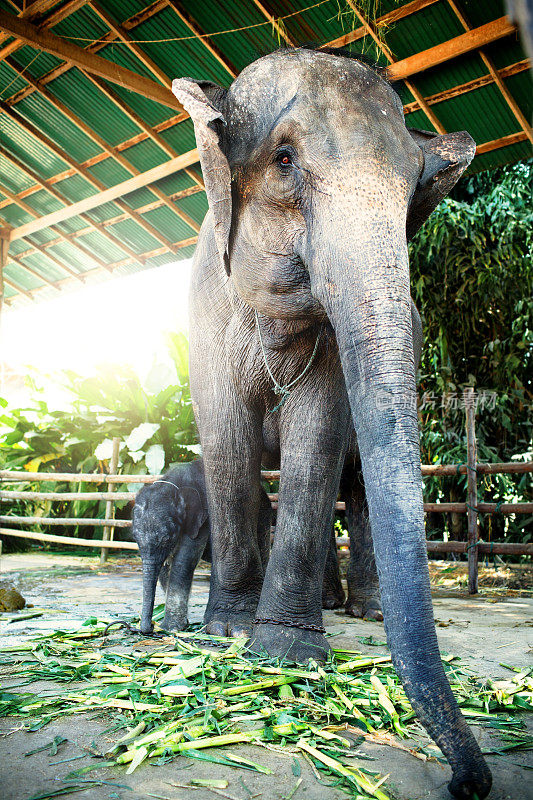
(65, 282)
(49, 19)
(507, 96)
(387, 19)
(41, 184)
(458, 46)
(469, 86)
(107, 195)
(84, 60)
(95, 183)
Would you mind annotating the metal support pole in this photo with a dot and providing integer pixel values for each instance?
(471, 480)
(110, 506)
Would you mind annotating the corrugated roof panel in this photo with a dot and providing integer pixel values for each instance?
(84, 22)
(166, 221)
(145, 155)
(93, 107)
(150, 112)
(43, 202)
(29, 150)
(504, 155)
(175, 182)
(323, 23)
(36, 62)
(13, 178)
(506, 51)
(110, 172)
(489, 115)
(120, 54)
(102, 247)
(21, 277)
(40, 263)
(195, 205)
(480, 13)
(76, 260)
(245, 46)
(10, 81)
(181, 136)
(14, 215)
(57, 127)
(135, 236)
(182, 58)
(428, 27)
(75, 188)
(521, 88)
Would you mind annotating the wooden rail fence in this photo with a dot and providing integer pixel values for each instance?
(473, 547)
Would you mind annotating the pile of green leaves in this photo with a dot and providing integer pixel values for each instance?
(185, 698)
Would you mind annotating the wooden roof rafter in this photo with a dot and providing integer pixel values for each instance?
(468, 42)
(92, 225)
(497, 78)
(111, 152)
(90, 274)
(83, 172)
(109, 195)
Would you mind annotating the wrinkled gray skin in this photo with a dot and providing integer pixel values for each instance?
(362, 579)
(171, 527)
(314, 184)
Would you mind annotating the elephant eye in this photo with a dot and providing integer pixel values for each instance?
(284, 159)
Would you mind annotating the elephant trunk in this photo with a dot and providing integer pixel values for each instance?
(151, 569)
(368, 305)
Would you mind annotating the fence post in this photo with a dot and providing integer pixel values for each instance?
(471, 482)
(110, 505)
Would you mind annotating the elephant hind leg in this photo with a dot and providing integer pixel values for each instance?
(363, 586)
(332, 592)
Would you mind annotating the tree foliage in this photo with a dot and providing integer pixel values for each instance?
(471, 276)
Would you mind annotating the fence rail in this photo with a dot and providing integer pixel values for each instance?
(473, 547)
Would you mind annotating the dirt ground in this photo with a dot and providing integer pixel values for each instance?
(492, 627)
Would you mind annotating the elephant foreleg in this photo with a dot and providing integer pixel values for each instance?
(232, 463)
(289, 614)
(179, 580)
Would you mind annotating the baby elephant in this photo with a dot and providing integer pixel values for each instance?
(171, 527)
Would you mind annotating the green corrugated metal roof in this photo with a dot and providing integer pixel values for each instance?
(483, 111)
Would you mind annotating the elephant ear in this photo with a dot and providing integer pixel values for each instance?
(196, 511)
(445, 159)
(202, 100)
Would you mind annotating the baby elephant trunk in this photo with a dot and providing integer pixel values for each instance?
(151, 569)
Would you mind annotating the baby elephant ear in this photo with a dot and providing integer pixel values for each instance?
(202, 100)
(196, 511)
(445, 159)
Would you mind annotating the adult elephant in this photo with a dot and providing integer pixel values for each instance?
(300, 302)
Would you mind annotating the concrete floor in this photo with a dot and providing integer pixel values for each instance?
(484, 631)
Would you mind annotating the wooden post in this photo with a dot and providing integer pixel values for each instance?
(110, 506)
(471, 481)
